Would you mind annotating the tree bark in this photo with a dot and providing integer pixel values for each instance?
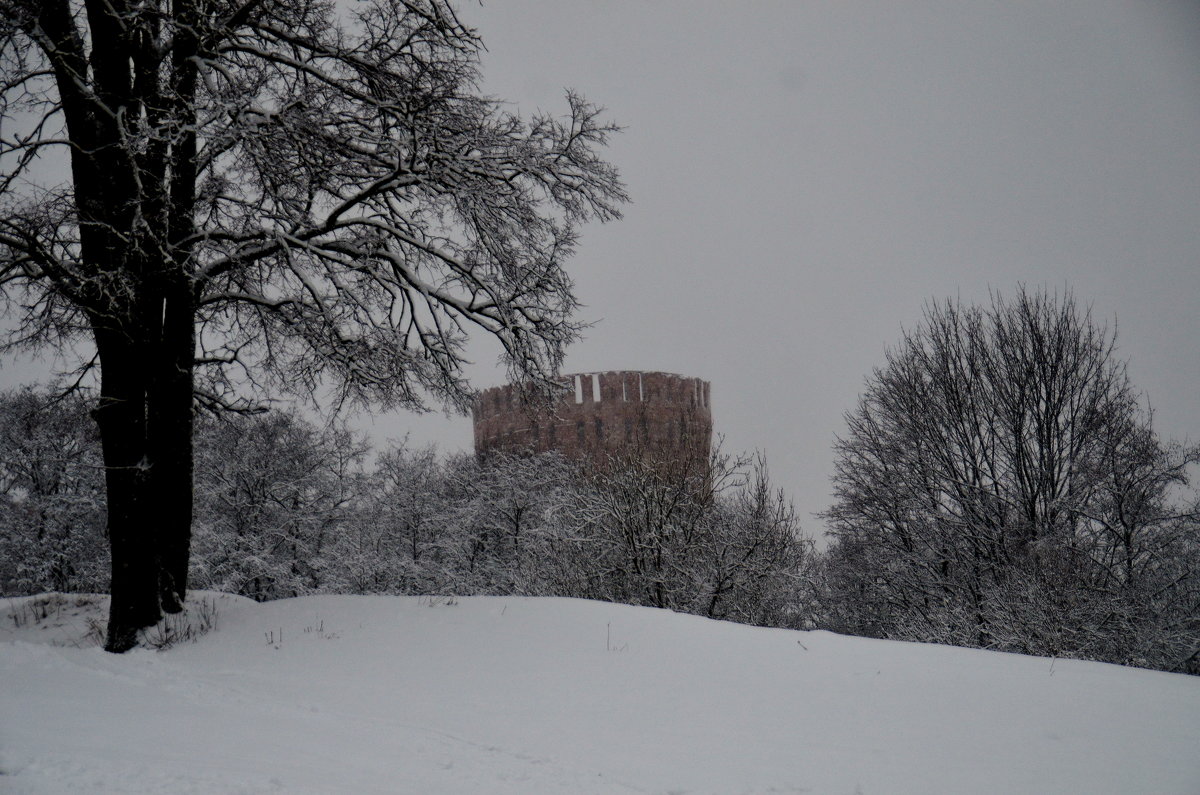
(169, 445)
(121, 416)
(145, 419)
(170, 417)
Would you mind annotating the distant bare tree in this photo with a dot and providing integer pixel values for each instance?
(996, 478)
(706, 536)
(282, 198)
(710, 537)
(51, 495)
(508, 518)
(396, 543)
(274, 495)
(756, 565)
(653, 513)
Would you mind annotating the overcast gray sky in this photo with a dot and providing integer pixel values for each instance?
(805, 175)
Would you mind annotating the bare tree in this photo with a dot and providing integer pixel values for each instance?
(756, 565)
(51, 495)
(506, 518)
(997, 476)
(274, 494)
(652, 511)
(282, 198)
(396, 545)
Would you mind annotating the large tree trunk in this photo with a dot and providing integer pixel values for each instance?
(121, 416)
(131, 119)
(145, 419)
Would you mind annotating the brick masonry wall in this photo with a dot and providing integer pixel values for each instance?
(653, 416)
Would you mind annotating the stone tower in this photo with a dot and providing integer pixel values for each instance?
(658, 417)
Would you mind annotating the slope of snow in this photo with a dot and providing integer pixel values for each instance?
(335, 694)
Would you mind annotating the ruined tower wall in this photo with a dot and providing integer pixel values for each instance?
(603, 416)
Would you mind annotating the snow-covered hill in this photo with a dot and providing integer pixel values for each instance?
(514, 695)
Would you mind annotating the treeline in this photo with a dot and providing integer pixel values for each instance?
(285, 507)
(1000, 485)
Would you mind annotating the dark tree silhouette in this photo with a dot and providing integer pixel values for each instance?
(266, 196)
(999, 485)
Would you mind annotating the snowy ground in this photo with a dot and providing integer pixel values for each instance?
(508, 695)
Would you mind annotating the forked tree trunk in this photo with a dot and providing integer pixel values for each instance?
(121, 416)
(145, 420)
(135, 207)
